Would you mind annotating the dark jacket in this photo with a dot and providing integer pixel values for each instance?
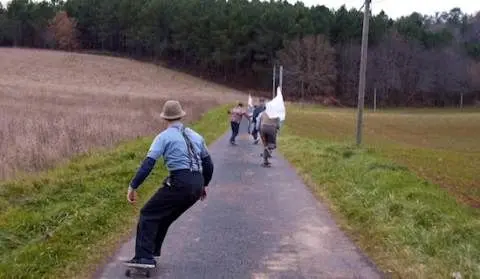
(257, 111)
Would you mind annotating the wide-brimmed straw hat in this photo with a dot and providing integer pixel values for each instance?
(172, 110)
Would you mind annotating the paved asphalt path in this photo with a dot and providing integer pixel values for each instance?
(255, 223)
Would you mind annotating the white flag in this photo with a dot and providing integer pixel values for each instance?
(276, 107)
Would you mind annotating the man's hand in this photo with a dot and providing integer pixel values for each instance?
(131, 195)
(204, 194)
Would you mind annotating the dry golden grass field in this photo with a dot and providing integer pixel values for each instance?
(56, 104)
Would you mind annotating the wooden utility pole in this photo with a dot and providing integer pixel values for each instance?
(363, 70)
(375, 100)
(273, 88)
(280, 83)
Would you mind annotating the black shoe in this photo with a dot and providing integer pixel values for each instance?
(141, 263)
(267, 153)
(255, 141)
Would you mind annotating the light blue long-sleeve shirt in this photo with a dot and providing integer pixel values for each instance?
(171, 145)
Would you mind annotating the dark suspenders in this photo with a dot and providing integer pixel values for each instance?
(191, 150)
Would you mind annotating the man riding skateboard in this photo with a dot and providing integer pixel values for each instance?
(190, 170)
(236, 115)
(268, 128)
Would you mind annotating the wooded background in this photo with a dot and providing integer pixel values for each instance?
(416, 60)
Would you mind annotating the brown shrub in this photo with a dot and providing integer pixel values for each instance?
(64, 31)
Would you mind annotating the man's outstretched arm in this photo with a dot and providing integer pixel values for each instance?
(143, 172)
(156, 151)
(207, 165)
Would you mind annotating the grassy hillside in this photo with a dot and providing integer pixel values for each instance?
(63, 222)
(385, 197)
(55, 104)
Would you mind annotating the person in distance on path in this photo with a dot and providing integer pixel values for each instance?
(236, 115)
(258, 109)
(268, 128)
(250, 109)
(190, 169)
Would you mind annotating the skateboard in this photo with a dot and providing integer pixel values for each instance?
(131, 270)
(269, 156)
(267, 165)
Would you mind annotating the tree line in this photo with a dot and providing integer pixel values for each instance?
(428, 60)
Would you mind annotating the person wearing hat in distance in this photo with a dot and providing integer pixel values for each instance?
(236, 115)
(190, 167)
(258, 109)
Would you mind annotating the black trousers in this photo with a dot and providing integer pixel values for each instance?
(163, 208)
(268, 133)
(235, 128)
(254, 131)
(269, 136)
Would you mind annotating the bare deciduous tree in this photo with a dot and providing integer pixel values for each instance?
(474, 76)
(310, 66)
(382, 73)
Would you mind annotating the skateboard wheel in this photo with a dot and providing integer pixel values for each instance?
(128, 272)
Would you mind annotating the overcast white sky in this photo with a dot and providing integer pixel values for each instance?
(395, 8)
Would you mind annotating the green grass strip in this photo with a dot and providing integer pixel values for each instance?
(408, 226)
(64, 222)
